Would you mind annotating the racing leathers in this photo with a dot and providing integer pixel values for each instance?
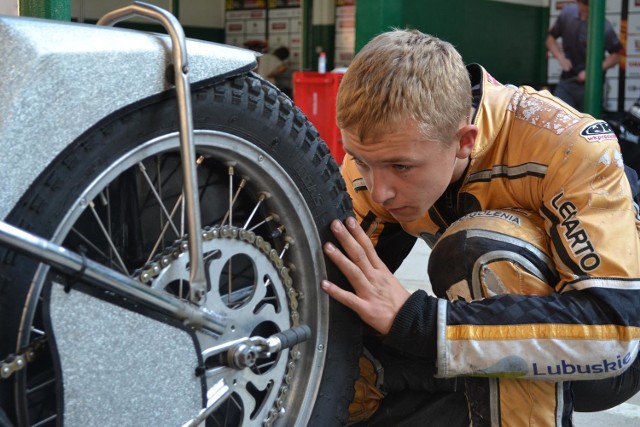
(518, 351)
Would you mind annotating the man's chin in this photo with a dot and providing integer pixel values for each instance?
(405, 215)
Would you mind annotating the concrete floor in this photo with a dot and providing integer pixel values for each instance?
(413, 274)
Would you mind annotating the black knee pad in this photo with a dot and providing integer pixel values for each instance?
(493, 252)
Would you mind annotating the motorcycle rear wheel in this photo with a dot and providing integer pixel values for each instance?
(262, 169)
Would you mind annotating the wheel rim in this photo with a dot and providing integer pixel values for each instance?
(244, 281)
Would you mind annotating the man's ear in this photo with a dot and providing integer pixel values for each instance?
(467, 138)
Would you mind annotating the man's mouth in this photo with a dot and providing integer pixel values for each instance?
(396, 210)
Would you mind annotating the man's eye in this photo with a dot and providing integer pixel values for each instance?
(401, 168)
(358, 162)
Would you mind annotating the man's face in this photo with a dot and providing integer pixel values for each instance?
(583, 11)
(403, 171)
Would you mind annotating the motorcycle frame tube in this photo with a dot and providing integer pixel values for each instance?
(75, 264)
(188, 152)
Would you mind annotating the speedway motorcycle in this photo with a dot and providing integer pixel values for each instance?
(163, 209)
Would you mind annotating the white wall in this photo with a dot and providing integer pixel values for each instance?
(9, 7)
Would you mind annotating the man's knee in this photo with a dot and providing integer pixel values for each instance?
(600, 395)
(493, 252)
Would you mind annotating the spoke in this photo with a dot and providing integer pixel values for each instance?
(232, 202)
(37, 331)
(235, 306)
(230, 212)
(213, 254)
(263, 196)
(266, 220)
(159, 196)
(45, 421)
(289, 242)
(105, 202)
(231, 199)
(215, 396)
(92, 207)
(230, 282)
(165, 227)
(143, 170)
(183, 219)
(264, 366)
(89, 243)
(238, 405)
(41, 386)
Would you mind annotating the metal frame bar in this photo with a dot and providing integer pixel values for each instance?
(198, 284)
(72, 263)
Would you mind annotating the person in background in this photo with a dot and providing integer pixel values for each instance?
(572, 26)
(535, 236)
(271, 65)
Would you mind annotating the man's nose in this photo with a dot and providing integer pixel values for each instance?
(380, 187)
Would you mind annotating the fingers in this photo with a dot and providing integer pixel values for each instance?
(346, 298)
(376, 313)
(359, 262)
(356, 244)
(352, 271)
(378, 294)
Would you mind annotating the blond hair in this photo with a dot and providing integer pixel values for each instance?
(405, 75)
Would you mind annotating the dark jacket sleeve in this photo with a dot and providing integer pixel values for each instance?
(414, 328)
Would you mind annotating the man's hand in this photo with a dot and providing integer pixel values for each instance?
(378, 293)
(565, 63)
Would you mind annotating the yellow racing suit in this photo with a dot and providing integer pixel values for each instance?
(518, 351)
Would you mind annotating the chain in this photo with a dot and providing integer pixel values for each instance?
(17, 362)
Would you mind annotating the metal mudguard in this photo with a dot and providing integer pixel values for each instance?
(59, 79)
(135, 372)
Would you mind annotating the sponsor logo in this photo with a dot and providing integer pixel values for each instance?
(496, 214)
(565, 368)
(576, 236)
(596, 132)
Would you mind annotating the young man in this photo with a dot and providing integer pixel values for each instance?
(536, 262)
(571, 26)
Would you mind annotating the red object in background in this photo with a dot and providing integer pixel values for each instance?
(315, 93)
